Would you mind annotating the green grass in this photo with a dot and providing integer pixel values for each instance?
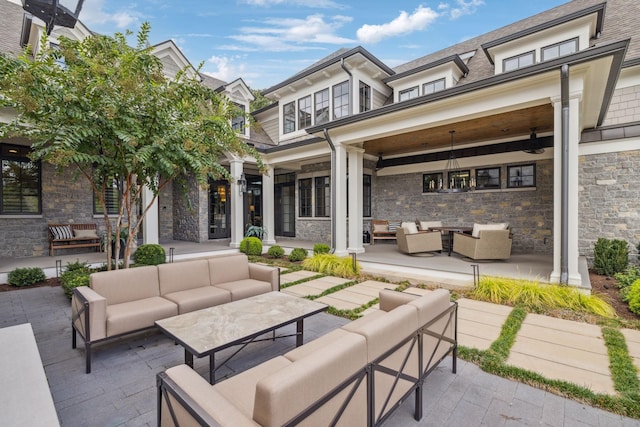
(303, 280)
(332, 265)
(539, 297)
(623, 371)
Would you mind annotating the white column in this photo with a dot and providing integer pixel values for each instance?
(340, 200)
(268, 207)
(574, 277)
(355, 200)
(237, 204)
(150, 223)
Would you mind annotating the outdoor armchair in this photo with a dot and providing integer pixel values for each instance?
(423, 241)
(488, 244)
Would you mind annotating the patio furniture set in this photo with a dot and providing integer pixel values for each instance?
(355, 375)
(480, 242)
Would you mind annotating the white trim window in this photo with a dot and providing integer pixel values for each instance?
(341, 100)
(557, 50)
(519, 61)
(304, 112)
(434, 86)
(289, 117)
(321, 100)
(407, 94)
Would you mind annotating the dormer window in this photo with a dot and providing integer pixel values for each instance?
(434, 86)
(341, 100)
(237, 123)
(407, 94)
(519, 61)
(289, 114)
(560, 49)
(304, 112)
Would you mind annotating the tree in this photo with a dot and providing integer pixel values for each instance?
(110, 112)
(260, 100)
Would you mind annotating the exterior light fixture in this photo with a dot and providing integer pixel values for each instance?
(242, 183)
(54, 12)
(379, 163)
(457, 182)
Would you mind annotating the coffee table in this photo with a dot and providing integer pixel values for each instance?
(452, 230)
(207, 331)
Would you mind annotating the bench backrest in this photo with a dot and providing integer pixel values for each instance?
(125, 285)
(183, 275)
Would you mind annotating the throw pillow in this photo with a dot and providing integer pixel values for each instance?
(425, 225)
(409, 227)
(89, 234)
(380, 228)
(478, 227)
(61, 232)
(393, 226)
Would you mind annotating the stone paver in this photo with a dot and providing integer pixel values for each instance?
(315, 286)
(564, 350)
(356, 295)
(632, 337)
(294, 276)
(480, 323)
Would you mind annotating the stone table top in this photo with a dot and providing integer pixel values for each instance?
(214, 328)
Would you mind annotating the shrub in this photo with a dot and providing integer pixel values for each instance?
(540, 297)
(73, 266)
(251, 246)
(332, 265)
(298, 254)
(626, 279)
(150, 254)
(321, 248)
(275, 251)
(610, 256)
(634, 297)
(71, 279)
(255, 231)
(26, 276)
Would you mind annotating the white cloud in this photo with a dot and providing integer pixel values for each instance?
(403, 24)
(318, 4)
(93, 14)
(228, 68)
(465, 8)
(280, 35)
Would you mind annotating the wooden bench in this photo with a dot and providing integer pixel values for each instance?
(67, 236)
(380, 231)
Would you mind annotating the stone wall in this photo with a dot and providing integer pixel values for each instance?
(186, 207)
(529, 212)
(314, 230)
(609, 200)
(165, 214)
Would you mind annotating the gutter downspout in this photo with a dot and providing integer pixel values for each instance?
(564, 215)
(333, 190)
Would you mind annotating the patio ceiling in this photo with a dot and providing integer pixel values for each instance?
(497, 127)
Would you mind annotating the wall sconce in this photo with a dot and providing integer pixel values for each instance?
(242, 183)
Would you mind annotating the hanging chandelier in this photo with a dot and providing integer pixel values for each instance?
(457, 180)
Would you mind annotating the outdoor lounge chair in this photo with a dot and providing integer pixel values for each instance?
(423, 241)
(484, 243)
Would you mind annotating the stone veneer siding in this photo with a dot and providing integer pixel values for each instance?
(609, 200)
(529, 212)
(317, 230)
(187, 209)
(65, 199)
(165, 215)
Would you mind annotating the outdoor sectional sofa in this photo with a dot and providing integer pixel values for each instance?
(353, 376)
(120, 302)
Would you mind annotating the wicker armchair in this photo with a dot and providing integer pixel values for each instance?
(423, 241)
(490, 244)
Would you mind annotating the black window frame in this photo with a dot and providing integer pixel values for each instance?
(238, 123)
(366, 195)
(409, 91)
(304, 112)
(365, 97)
(321, 106)
(479, 178)
(322, 196)
(519, 57)
(433, 85)
(458, 176)
(428, 178)
(544, 50)
(341, 100)
(20, 154)
(289, 117)
(113, 196)
(305, 198)
(516, 181)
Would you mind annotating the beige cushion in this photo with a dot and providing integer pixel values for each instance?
(409, 227)
(198, 298)
(380, 228)
(384, 332)
(87, 234)
(130, 284)
(183, 275)
(315, 345)
(241, 289)
(390, 299)
(206, 396)
(138, 314)
(285, 393)
(224, 269)
(241, 389)
(425, 225)
(478, 227)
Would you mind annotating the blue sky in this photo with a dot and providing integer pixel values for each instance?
(267, 41)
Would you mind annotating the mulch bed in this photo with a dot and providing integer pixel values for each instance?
(48, 282)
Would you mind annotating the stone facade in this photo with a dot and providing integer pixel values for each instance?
(186, 208)
(529, 212)
(314, 230)
(609, 200)
(165, 215)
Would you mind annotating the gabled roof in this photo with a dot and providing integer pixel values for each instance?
(453, 58)
(212, 82)
(334, 58)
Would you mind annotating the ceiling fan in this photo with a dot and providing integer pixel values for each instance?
(535, 144)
